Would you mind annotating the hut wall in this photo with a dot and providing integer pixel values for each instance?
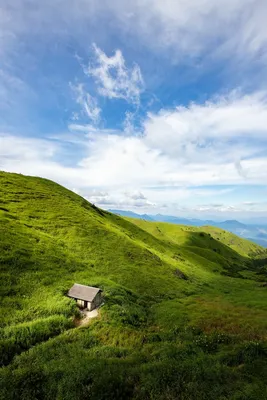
(96, 302)
(80, 303)
(90, 305)
(98, 299)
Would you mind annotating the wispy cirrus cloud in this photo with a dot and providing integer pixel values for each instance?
(228, 25)
(87, 102)
(114, 80)
(229, 30)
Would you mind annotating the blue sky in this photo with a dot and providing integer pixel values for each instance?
(150, 106)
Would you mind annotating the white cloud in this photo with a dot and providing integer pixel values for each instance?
(232, 208)
(90, 129)
(136, 195)
(222, 141)
(87, 102)
(119, 199)
(209, 144)
(240, 169)
(128, 124)
(114, 79)
(18, 149)
(193, 28)
(231, 28)
(222, 129)
(195, 32)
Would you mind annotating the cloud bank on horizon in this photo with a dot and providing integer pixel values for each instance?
(139, 105)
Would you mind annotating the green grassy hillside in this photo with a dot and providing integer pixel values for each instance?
(184, 315)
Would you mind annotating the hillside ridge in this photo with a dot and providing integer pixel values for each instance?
(255, 232)
(190, 297)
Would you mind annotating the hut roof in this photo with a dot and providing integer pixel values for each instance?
(83, 292)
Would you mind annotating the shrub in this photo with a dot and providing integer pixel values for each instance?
(209, 343)
(246, 353)
(24, 384)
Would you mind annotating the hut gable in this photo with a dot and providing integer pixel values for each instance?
(82, 292)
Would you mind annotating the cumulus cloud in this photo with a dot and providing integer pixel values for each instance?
(179, 150)
(136, 195)
(197, 145)
(119, 199)
(216, 128)
(114, 79)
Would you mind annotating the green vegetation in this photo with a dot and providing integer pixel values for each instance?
(184, 314)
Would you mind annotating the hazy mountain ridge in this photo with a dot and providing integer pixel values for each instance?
(254, 232)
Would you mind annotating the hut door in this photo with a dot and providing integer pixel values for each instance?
(85, 304)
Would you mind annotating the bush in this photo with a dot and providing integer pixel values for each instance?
(125, 307)
(24, 384)
(247, 353)
(209, 343)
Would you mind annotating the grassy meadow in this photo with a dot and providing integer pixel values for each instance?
(184, 314)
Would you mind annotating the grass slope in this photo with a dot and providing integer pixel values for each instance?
(184, 315)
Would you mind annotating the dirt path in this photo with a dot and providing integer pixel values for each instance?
(87, 315)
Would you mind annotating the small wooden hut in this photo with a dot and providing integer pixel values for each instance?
(87, 297)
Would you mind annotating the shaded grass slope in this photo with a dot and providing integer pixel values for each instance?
(184, 314)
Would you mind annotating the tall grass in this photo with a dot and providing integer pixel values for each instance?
(18, 338)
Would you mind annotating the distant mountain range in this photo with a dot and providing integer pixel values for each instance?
(257, 233)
